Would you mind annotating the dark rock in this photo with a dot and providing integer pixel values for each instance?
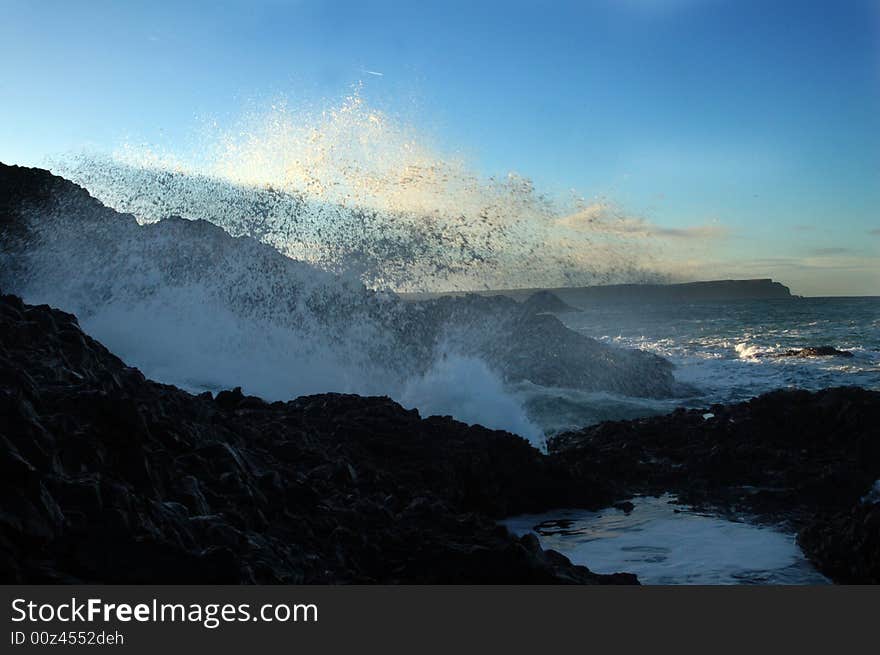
(802, 459)
(229, 399)
(815, 351)
(847, 544)
(547, 302)
(112, 478)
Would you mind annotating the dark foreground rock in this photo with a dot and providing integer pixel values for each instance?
(847, 544)
(800, 458)
(108, 477)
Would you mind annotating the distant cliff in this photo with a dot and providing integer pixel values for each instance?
(626, 293)
(688, 292)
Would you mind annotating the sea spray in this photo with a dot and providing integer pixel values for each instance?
(351, 198)
(213, 321)
(350, 188)
(465, 387)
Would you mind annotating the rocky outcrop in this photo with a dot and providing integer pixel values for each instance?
(815, 351)
(107, 477)
(524, 345)
(794, 457)
(846, 545)
(547, 302)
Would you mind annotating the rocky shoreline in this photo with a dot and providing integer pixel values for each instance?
(806, 461)
(109, 477)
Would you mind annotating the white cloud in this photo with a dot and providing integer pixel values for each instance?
(602, 218)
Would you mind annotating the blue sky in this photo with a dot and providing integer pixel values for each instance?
(762, 118)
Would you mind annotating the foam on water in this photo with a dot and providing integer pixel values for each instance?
(665, 543)
(726, 350)
(747, 350)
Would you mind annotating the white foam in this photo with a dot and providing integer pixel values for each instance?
(179, 337)
(191, 307)
(464, 387)
(748, 351)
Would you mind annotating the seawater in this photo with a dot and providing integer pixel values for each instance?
(663, 542)
(724, 351)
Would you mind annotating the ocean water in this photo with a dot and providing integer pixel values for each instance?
(724, 351)
(666, 543)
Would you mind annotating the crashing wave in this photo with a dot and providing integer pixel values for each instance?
(351, 189)
(191, 305)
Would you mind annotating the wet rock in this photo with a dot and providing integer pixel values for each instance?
(846, 545)
(112, 478)
(790, 457)
(815, 351)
